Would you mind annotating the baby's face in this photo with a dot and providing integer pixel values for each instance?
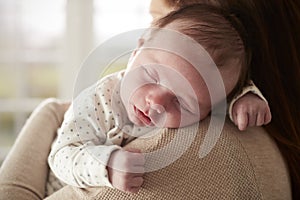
(162, 89)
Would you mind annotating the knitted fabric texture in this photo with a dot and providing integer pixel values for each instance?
(232, 170)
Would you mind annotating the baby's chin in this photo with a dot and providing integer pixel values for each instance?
(137, 122)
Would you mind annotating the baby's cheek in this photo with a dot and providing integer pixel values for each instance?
(174, 119)
(187, 120)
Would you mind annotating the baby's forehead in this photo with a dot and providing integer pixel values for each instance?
(182, 49)
(167, 64)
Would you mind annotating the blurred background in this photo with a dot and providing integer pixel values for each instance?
(43, 43)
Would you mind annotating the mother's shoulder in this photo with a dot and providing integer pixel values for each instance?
(241, 165)
(253, 153)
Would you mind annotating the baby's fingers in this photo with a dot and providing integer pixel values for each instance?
(134, 189)
(134, 185)
(268, 117)
(252, 119)
(137, 181)
(260, 120)
(242, 121)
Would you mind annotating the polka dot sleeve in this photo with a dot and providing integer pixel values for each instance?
(81, 151)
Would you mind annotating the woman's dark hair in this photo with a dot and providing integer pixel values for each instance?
(273, 40)
(273, 29)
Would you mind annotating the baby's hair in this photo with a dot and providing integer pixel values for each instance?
(208, 25)
(176, 4)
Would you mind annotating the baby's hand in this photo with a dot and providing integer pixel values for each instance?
(126, 170)
(250, 110)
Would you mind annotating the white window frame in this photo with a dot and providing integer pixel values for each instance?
(78, 41)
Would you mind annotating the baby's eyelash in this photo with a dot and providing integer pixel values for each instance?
(180, 104)
(154, 78)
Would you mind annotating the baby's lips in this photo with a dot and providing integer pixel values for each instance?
(142, 116)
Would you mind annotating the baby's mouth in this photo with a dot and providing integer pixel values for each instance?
(142, 116)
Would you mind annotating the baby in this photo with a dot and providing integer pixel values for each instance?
(249, 107)
(158, 89)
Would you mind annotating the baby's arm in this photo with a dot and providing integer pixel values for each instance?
(83, 154)
(249, 108)
(79, 155)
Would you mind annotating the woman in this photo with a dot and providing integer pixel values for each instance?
(284, 127)
(271, 34)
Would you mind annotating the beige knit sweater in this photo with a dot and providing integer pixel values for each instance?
(242, 165)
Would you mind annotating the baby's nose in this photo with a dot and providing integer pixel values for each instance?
(160, 100)
(158, 108)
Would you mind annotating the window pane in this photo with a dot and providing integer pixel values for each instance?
(42, 80)
(31, 52)
(6, 133)
(112, 17)
(7, 33)
(42, 23)
(7, 81)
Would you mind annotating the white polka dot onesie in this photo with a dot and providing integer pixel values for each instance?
(94, 126)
